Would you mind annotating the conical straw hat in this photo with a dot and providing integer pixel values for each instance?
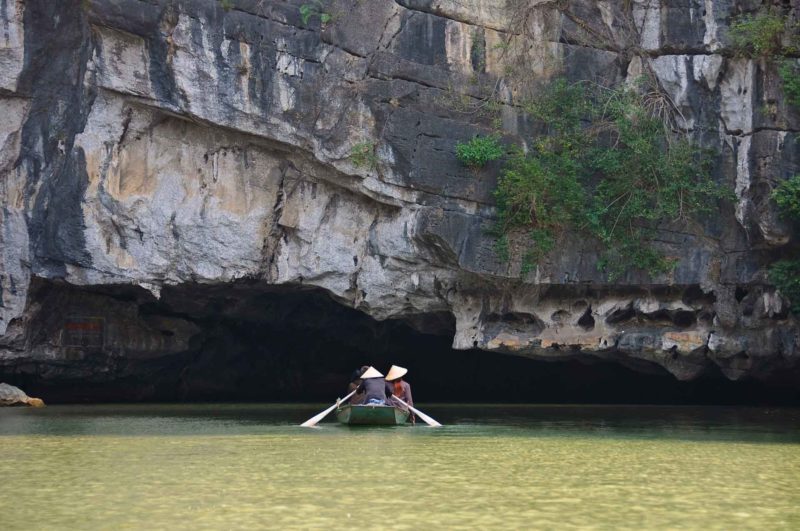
(396, 372)
(371, 373)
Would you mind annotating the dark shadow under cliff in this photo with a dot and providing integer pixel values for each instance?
(247, 342)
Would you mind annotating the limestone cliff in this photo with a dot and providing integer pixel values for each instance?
(175, 143)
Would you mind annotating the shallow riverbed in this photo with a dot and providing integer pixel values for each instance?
(250, 466)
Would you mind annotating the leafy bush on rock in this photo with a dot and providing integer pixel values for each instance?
(608, 165)
(479, 151)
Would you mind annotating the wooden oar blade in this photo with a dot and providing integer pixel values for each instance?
(310, 423)
(430, 421)
(425, 418)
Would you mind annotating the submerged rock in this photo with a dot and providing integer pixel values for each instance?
(14, 396)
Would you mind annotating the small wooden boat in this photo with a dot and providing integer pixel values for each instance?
(371, 415)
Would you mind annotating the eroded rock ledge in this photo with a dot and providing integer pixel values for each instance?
(164, 143)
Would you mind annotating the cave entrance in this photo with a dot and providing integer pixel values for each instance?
(249, 342)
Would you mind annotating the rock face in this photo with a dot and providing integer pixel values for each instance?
(14, 396)
(162, 143)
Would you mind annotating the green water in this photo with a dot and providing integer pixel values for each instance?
(239, 466)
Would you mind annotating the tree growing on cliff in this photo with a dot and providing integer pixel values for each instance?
(609, 166)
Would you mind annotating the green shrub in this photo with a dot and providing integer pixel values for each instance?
(541, 193)
(227, 5)
(561, 106)
(606, 166)
(363, 155)
(785, 276)
(774, 37)
(314, 9)
(787, 196)
(762, 34)
(789, 71)
(479, 151)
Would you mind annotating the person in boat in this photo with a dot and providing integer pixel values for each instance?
(355, 383)
(400, 388)
(374, 387)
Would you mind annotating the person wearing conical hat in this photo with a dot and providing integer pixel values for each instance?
(374, 387)
(355, 384)
(400, 388)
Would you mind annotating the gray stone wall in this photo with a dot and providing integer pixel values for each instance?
(166, 142)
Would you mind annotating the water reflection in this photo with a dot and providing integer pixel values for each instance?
(682, 422)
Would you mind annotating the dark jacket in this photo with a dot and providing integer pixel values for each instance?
(374, 388)
(359, 397)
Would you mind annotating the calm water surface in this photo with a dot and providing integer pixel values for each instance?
(249, 466)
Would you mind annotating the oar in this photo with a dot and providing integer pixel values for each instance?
(310, 423)
(419, 413)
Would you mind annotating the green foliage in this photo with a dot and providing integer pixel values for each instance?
(306, 12)
(608, 166)
(227, 5)
(363, 155)
(785, 275)
(479, 151)
(763, 35)
(789, 71)
(787, 196)
(316, 8)
(540, 190)
(561, 107)
(775, 38)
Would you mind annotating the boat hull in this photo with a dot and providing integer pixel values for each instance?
(371, 415)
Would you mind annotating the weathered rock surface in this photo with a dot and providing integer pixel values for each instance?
(14, 396)
(175, 143)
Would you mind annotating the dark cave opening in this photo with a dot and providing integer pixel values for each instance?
(249, 342)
